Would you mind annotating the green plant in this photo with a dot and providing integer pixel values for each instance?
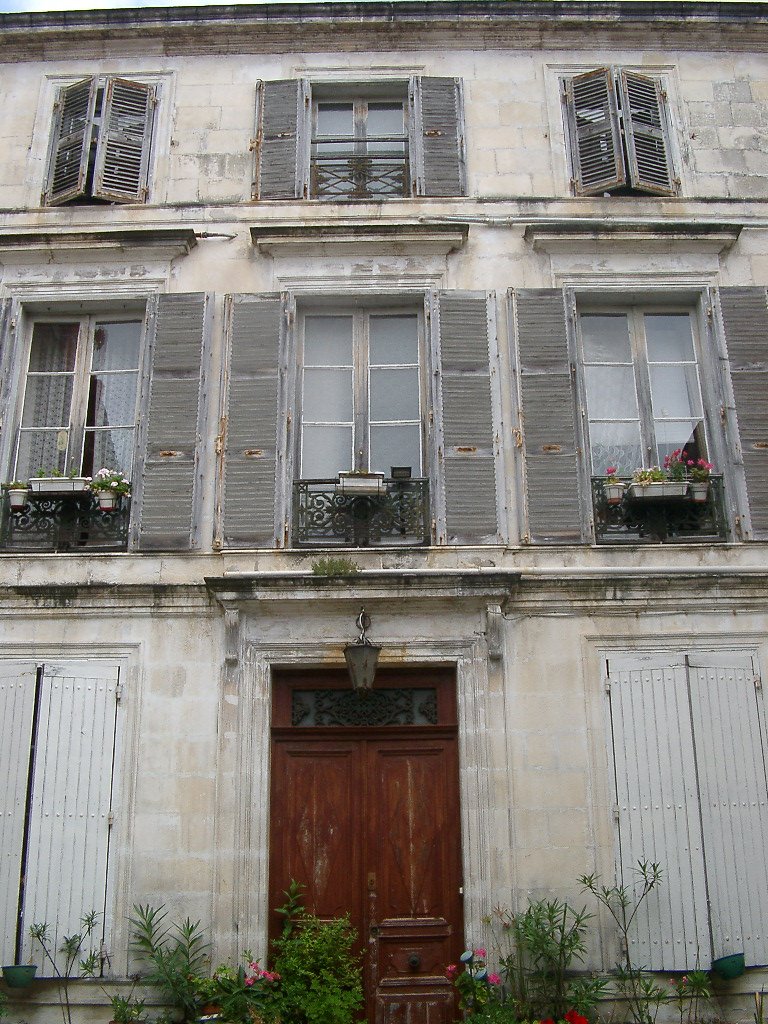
(174, 953)
(71, 949)
(700, 470)
(649, 476)
(111, 480)
(126, 1009)
(57, 473)
(687, 991)
(240, 995)
(610, 475)
(335, 567)
(642, 994)
(478, 989)
(3, 1006)
(757, 1016)
(293, 909)
(16, 485)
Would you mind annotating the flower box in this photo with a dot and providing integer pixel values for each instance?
(614, 493)
(361, 483)
(58, 484)
(655, 489)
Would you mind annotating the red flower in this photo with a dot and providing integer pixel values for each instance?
(451, 971)
(575, 1018)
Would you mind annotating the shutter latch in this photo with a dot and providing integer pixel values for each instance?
(758, 683)
(118, 693)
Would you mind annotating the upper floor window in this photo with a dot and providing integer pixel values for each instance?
(100, 142)
(359, 148)
(80, 397)
(618, 133)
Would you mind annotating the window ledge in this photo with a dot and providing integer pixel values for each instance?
(571, 236)
(153, 243)
(359, 238)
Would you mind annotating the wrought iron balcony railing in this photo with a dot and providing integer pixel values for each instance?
(64, 522)
(652, 520)
(382, 170)
(324, 516)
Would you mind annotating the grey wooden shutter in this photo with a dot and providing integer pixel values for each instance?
(6, 335)
(283, 139)
(437, 138)
(70, 142)
(122, 157)
(548, 407)
(745, 319)
(595, 135)
(468, 455)
(645, 133)
(172, 432)
(250, 449)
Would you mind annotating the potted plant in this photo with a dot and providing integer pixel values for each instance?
(649, 483)
(110, 486)
(360, 482)
(613, 488)
(19, 975)
(17, 494)
(55, 482)
(699, 473)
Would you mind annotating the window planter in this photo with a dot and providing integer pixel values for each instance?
(19, 975)
(656, 489)
(361, 483)
(614, 493)
(58, 484)
(17, 497)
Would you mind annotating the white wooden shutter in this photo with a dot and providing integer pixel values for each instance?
(17, 703)
(71, 142)
(595, 135)
(657, 809)
(730, 732)
(122, 156)
(645, 133)
(72, 781)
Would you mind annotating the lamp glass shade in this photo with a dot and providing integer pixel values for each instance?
(361, 664)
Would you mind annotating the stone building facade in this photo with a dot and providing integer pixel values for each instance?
(486, 251)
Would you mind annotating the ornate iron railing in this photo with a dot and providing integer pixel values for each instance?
(64, 522)
(652, 520)
(360, 176)
(324, 516)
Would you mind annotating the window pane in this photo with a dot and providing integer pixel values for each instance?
(394, 339)
(328, 341)
(116, 346)
(605, 338)
(47, 401)
(611, 392)
(669, 338)
(686, 434)
(54, 347)
(615, 444)
(395, 394)
(110, 449)
(675, 391)
(335, 119)
(325, 451)
(396, 446)
(385, 119)
(112, 400)
(327, 395)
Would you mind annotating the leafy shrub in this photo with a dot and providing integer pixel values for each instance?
(173, 952)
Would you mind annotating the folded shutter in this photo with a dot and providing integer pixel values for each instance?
(467, 418)
(168, 487)
(71, 142)
(250, 447)
(122, 158)
(745, 319)
(645, 132)
(436, 137)
(593, 126)
(282, 150)
(548, 408)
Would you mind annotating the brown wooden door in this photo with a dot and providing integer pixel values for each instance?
(366, 817)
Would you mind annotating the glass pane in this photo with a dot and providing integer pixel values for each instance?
(615, 444)
(41, 449)
(395, 394)
(669, 337)
(605, 338)
(47, 401)
(116, 346)
(385, 119)
(335, 119)
(396, 446)
(112, 400)
(108, 449)
(325, 451)
(611, 392)
(671, 435)
(327, 395)
(328, 341)
(675, 391)
(54, 347)
(394, 339)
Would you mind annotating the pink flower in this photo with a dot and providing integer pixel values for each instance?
(494, 979)
(611, 470)
(481, 953)
(451, 971)
(248, 981)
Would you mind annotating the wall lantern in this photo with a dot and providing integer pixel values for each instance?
(361, 656)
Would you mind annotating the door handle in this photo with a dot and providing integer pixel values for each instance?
(374, 931)
(371, 881)
(414, 961)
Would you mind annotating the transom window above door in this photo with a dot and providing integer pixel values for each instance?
(359, 148)
(80, 397)
(361, 393)
(643, 388)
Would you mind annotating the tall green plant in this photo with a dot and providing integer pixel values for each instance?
(71, 949)
(173, 952)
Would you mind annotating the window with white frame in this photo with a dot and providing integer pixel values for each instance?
(618, 133)
(79, 408)
(100, 142)
(643, 387)
(361, 392)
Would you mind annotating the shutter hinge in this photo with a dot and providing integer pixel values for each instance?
(517, 435)
(118, 693)
(253, 145)
(758, 683)
(710, 311)
(607, 686)
(111, 819)
(219, 444)
(616, 812)
(723, 415)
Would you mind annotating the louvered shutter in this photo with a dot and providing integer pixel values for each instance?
(283, 139)
(17, 704)
(71, 142)
(71, 800)
(645, 132)
(468, 463)
(745, 319)
(595, 135)
(6, 330)
(548, 407)
(173, 430)
(250, 449)
(436, 137)
(122, 157)
(658, 814)
(729, 724)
